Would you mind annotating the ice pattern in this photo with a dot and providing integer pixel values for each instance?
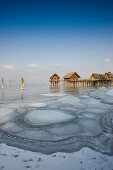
(46, 121)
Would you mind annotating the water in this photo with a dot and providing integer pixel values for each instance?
(48, 120)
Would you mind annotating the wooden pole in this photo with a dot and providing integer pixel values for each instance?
(112, 82)
(13, 82)
(2, 83)
(10, 83)
(22, 83)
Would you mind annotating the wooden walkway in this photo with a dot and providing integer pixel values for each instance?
(88, 83)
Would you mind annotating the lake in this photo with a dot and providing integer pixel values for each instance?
(48, 120)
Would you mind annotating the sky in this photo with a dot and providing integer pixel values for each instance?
(41, 37)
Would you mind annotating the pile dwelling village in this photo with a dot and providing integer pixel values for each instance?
(74, 79)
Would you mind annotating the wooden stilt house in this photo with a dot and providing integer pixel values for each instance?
(95, 76)
(54, 79)
(109, 76)
(70, 77)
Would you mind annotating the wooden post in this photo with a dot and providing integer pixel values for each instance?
(111, 82)
(80, 85)
(86, 83)
(2, 83)
(13, 82)
(76, 84)
(10, 83)
(83, 83)
(22, 83)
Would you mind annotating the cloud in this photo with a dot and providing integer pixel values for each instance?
(107, 62)
(57, 65)
(8, 67)
(32, 65)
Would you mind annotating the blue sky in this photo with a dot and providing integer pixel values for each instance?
(40, 37)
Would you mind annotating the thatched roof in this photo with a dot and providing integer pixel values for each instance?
(102, 76)
(96, 76)
(99, 76)
(54, 75)
(69, 75)
(109, 74)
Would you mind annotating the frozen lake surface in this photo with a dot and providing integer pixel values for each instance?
(49, 120)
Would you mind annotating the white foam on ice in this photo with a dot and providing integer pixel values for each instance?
(53, 94)
(37, 105)
(42, 117)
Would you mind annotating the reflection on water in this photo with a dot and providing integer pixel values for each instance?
(71, 90)
(52, 119)
(22, 91)
(2, 92)
(54, 89)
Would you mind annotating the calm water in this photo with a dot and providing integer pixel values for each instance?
(49, 120)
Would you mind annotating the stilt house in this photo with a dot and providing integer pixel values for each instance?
(54, 79)
(95, 76)
(73, 76)
(109, 76)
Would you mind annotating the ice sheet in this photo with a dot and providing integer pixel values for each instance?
(42, 117)
(48, 122)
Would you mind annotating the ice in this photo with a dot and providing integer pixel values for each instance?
(36, 105)
(89, 115)
(54, 94)
(5, 114)
(83, 96)
(42, 117)
(48, 122)
(83, 127)
(73, 100)
(33, 134)
(84, 159)
(110, 92)
(89, 127)
(11, 127)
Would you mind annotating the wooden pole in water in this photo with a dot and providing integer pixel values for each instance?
(2, 83)
(22, 83)
(10, 83)
(13, 82)
(112, 82)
